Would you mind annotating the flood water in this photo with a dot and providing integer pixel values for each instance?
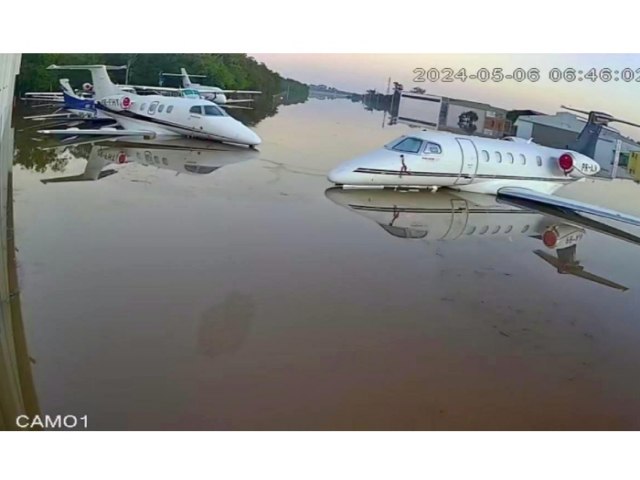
(172, 294)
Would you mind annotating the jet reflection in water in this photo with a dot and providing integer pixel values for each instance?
(458, 215)
(186, 156)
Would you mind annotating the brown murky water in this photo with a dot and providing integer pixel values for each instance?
(173, 295)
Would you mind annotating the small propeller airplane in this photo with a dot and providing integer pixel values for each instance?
(456, 216)
(514, 169)
(151, 115)
(194, 90)
(184, 156)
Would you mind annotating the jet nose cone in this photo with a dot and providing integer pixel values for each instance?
(338, 175)
(254, 139)
(337, 195)
(246, 136)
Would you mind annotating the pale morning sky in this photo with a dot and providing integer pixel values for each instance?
(359, 72)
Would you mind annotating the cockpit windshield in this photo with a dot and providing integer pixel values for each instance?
(190, 93)
(214, 111)
(208, 110)
(406, 144)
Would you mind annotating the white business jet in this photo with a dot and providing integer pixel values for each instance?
(151, 115)
(460, 216)
(514, 169)
(215, 94)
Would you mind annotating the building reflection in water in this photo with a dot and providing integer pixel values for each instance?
(17, 391)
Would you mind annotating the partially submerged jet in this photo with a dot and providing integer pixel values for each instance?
(512, 168)
(151, 115)
(456, 216)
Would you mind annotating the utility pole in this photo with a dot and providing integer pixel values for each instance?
(616, 158)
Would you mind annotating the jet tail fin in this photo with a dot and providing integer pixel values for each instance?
(102, 84)
(186, 81)
(66, 86)
(587, 139)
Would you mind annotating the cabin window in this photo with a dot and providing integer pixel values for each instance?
(484, 230)
(539, 160)
(143, 106)
(524, 230)
(431, 147)
(161, 108)
(164, 160)
(409, 145)
(495, 230)
(169, 108)
(471, 230)
(510, 157)
(152, 108)
(498, 157)
(523, 159)
(508, 229)
(196, 109)
(156, 159)
(485, 155)
(213, 111)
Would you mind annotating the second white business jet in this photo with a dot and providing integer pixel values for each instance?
(514, 169)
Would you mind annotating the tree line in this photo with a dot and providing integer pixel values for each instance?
(227, 71)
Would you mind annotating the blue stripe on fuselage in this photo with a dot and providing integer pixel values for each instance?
(78, 103)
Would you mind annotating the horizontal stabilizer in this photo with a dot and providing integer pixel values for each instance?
(85, 67)
(180, 75)
(529, 199)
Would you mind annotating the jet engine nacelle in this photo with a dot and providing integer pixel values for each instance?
(217, 97)
(577, 165)
(117, 102)
(562, 236)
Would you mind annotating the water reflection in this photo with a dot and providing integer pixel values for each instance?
(17, 392)
(447, 215)
(187, 156)
(225, 326)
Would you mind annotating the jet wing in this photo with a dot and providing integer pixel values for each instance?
(99, 132)
(251, 92)
(241, 107)
(523, 197)
(239, 100)
(49, 116)
(157, 89)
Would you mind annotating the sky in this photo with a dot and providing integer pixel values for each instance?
(360, 72)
